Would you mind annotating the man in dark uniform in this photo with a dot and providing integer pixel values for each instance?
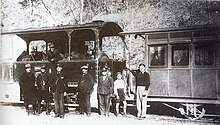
(105, 89)
(58, 88)
(27, 84)
(85, 89)
(43, 89)
(53, 55)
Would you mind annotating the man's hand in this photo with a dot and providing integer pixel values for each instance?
(65, 94)
(117, 97)
(145, 93)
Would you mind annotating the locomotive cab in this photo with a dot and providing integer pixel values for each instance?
(84, 44)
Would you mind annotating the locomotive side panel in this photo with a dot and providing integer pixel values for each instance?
(71, 71)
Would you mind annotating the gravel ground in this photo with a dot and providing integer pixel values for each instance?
(16, 115)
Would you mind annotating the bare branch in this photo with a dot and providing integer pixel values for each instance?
(46, 7)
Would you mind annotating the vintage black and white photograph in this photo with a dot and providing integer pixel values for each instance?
(112, 62)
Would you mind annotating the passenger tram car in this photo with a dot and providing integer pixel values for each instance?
(78, 45)
(184, 68)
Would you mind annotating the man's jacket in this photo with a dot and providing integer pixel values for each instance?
(105, 86)
(85, 83)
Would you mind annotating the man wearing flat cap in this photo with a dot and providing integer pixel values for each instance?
(105, 89)
(28, 89)
(43, 89)
(58, 89)
(85, 89)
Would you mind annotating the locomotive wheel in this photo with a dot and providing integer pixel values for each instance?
(193, 111)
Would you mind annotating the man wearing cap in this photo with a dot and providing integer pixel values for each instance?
(43, 89)
(85, 88)
(105, 89)
(53, 55)
(142, 86)
(58, 88)
(27, 84)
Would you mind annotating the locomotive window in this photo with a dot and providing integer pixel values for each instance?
(157, 55)
(180, 55)
(90, 49)
(37, 50)
(38, 45)
(204, 54)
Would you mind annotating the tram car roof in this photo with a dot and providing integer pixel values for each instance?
(172, 30)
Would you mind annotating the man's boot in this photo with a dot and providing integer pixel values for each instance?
(34, 109)
(27, 109)
(47, 109)
(116, 112)
(38, 108)
(124, 112)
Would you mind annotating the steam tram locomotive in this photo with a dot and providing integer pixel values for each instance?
(78, 45)
(184, 65)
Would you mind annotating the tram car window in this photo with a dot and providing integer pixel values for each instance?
(180, 55)
(204, 54)
(157, 55)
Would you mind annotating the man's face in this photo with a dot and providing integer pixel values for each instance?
(84, 71)
(89, 52)
(104, 72)
(59, 69)
(28, 69)
(52, 49)
(43, 70)
(142, 68)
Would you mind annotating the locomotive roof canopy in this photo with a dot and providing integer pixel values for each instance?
(59, 35)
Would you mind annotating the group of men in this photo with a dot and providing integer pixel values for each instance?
(35, 89)
(107, 87)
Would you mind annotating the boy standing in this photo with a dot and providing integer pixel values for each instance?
(119, 91)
